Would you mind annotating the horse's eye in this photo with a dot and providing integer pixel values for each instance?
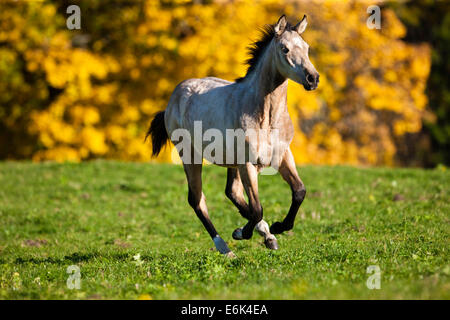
(285, 50)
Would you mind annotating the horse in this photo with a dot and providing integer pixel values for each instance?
(256, 102)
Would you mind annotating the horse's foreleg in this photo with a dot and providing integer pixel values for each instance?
(269, 239)
(249, 176)
(289, 173)
(235, 192)
(197, 201)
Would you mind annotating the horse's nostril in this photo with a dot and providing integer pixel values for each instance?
(310, 78)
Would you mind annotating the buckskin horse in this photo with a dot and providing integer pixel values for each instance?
(257, 101)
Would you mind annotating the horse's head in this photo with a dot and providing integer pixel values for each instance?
(291, 55)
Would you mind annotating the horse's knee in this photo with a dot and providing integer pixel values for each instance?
(229, 193)
(257, 213)
(193, 200)
(298, 195)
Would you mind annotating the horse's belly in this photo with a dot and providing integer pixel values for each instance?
(223, 151)
(268, 154)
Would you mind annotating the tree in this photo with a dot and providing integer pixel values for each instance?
(429, 21)
(82, 94)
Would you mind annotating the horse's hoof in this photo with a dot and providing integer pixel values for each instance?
(237, 234)
(230, 255)
(277, 228)
(271, 243)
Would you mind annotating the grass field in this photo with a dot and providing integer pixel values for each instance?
(130, 230)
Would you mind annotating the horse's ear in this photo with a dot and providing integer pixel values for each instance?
(301, 26)
(281, 25)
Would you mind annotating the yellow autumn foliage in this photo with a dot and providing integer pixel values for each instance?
(82, 94)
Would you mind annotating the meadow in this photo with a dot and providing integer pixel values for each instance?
(130, 231)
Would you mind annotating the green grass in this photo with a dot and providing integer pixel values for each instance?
(99, 215)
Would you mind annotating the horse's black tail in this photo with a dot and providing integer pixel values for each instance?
(158, 133)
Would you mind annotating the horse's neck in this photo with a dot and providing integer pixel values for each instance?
(269, 90)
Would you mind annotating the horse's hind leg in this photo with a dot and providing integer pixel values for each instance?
(289, 173)
(235, 192)
(197, 201)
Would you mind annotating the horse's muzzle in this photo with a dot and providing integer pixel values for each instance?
(311, 81)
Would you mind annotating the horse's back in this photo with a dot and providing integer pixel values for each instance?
(192, 98)
(201, 85)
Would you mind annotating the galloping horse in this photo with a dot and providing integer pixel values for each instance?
(255, 102)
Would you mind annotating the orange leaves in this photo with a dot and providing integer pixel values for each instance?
(94, 140)
(84, 115)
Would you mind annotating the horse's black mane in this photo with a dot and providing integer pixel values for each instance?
(256, 49)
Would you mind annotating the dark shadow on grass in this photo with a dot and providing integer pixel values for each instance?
(76, 257)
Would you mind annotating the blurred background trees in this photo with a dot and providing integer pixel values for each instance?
(89, 93)
(429, 21)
